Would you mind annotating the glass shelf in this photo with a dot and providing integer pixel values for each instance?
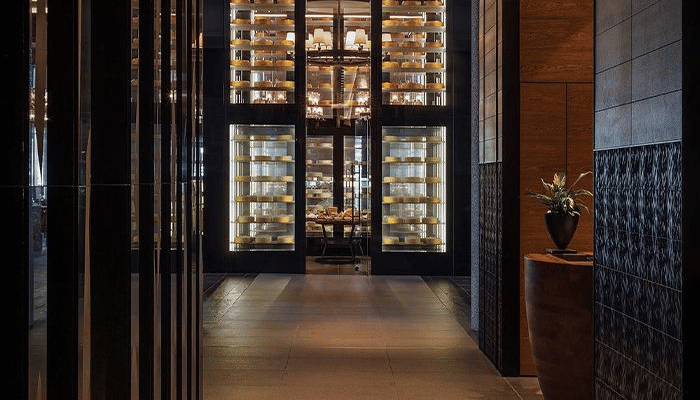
(413, 189)
(262, 187)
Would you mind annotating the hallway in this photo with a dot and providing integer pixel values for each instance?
(332, 337)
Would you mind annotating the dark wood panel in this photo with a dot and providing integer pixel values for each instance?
(579, 154)
(556, 41)
(543, 152)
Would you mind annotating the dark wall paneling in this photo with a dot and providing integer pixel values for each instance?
(13, 192)
(640, 109)
(690, 197)
(64, 230)
(638, 262)
(490, 261)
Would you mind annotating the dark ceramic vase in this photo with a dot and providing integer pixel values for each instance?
(561, 228)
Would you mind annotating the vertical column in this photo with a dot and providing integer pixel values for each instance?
(13, 187)
(109, 208)
(63, 220)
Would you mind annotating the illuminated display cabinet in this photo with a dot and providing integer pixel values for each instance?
(346, 107)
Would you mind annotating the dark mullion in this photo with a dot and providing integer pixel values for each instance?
(13, 189)
(165, 220)
(110, 199)
(146, 266)
(62, 200)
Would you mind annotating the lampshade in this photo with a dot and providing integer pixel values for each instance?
(328, 39)
(360, 37)
(349, 39)
(318, 35)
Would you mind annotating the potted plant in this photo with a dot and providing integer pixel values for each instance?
(564, 207)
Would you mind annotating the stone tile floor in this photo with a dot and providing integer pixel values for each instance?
(334, 337)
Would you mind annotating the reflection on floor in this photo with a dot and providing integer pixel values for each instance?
(316, 265)
(336, 337)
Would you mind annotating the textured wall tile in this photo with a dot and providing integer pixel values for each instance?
(613, 86)
(657, 72)
(613, 127)
(613, 47)
(656, 26)
(657, 119)
(610, 13)
(638, 319)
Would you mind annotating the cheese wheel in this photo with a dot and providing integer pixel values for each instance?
(242, 178)
(392, 199)
(240, 63)
(413, 179)
(410, 44)
(240, 84)
(263, 239)
(433, 2)
(411, 220)
(285, 1)
(412, 22)
(429, 220)
(284, 63)
(433, 44)
(388, 85)
(410, 64)
(432, 159)
(262, 63)
(390, 2)
(241, 21)
(245, 198)
(411, 3)
(433, 23)
(389, 43)
(390, 22)
(240, 1)
(263, 21)
(245, 219)
(413, 240)
(390, 64)
(285, 239)
(262, 42)
(435, 85)
(282, 219)
(240, 42)
(326, 69)
(325, 85)
(284, 84)
(325, 102)
(242, 240)
(413, 159)
(283, 158)
(392, 220)
(287, 21)
(243, 158)
(263, 84)
(392, 159)
(286, 42)
(433, 65)
(411, 85)
(432, 240)
(390, 240)
(432, 179)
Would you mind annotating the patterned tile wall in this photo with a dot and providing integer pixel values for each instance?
(490, 261)
(638, 281)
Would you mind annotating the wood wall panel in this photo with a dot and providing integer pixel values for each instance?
(556, 41)
(579, 154)
(542, 152)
